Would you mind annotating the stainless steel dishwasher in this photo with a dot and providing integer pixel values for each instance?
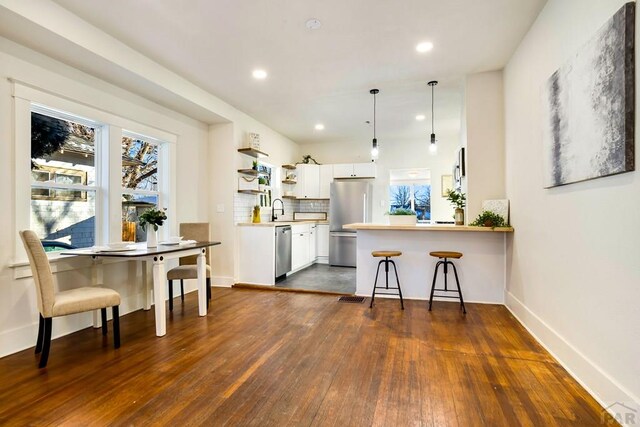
(283, 251)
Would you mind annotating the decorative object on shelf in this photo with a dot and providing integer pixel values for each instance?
(500, 207)
(446, 185)
(433, 148)
(401, 216)
(155, 218)
(254, 165)
(256, 214)
(589, 105)
(489, 219)
(253, 140)
(262, 183)
(307, 159)
(374, 143)
(248, 184)
(459, 200)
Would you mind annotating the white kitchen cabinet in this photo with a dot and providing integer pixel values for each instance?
(299, 249)
(312, 243)
(322, 241)
(354, 170)
(326, 178)
(308, 186)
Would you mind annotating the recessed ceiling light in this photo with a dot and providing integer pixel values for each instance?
(319, 126)
(259, 74)
(313, 24)
(420, 117)
(424, 47)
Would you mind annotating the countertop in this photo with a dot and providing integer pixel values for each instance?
(280, 223)
(427, 227)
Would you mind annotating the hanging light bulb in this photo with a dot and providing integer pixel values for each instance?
(433, 148)
(374, 145)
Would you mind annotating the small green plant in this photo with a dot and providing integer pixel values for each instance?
(403, 211)
(152, 216)
(262, 181)
(457, 199)
(255, 165)
(489, 219)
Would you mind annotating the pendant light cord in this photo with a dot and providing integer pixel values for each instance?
(374, 116)
(432, 108)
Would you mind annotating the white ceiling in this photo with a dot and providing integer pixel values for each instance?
(323, 75)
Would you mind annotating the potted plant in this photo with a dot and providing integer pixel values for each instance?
(402, 216)
(489, 219)
(256, 214)
(262, 183)
(459, 200)
(155, 218)
(255, 165)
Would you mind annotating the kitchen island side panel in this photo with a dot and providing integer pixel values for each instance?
(481, 270)
(256, 255)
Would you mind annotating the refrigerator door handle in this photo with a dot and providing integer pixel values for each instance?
(364, 207)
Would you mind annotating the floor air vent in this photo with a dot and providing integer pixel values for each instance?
(351, 299)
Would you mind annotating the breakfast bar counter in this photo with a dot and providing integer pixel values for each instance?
(482, 268)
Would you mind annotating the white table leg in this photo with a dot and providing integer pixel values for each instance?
(159, 285)
(97, 279)
(202, 279)
(146, 286)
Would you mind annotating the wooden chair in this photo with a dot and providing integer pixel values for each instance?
(188, 268)
(54, 304)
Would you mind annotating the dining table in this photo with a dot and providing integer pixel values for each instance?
(157, 257)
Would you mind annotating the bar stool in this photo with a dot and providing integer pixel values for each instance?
(446, 263)
(387, 255)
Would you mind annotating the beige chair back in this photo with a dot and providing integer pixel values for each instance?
(198, 231)
(41, 270)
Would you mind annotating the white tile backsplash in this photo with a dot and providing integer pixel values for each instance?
(243, 209)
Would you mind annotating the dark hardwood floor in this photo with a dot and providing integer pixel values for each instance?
(268, 358)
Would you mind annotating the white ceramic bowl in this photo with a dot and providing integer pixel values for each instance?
(174, 239)
(119, 245)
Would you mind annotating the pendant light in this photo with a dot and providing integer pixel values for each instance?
(374, 145)
(433, 148)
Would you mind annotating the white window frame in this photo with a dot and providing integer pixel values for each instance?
(411, 184)
(108, 180)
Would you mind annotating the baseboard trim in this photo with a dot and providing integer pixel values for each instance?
(601, 386)
(222, 281)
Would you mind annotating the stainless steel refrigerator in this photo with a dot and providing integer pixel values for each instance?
(350, 202)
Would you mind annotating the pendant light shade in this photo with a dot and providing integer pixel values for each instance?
(374, 144)
(433, 148)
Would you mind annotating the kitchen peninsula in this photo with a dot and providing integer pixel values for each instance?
(481, 269)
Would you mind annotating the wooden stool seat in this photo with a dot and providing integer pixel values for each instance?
(446, 254)
(385, 254)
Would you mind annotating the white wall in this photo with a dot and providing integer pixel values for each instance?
(395, 155)
(574, 272)
(18, 312)
(484, 124)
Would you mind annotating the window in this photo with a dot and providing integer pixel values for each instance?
(139, 184)
(411, 189)
(63, 179)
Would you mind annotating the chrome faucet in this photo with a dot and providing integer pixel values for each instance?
(273, 211)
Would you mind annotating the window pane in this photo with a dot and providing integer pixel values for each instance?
(139, 164)
(62, 147)
(63, 224)
(399, 197)
(132, 206)
(422, 194)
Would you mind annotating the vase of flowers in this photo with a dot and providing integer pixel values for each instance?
(459, 201)
(150, 220)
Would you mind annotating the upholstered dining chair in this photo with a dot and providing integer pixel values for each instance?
(188, 268)
(54, 304)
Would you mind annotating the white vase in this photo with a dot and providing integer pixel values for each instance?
(152, 238)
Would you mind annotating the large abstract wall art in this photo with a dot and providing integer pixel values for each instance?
(588, 104)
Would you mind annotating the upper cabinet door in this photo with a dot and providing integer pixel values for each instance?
(364, 170)
(308, 186)
(326, 178)
(344, 170)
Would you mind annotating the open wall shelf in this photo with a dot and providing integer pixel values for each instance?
(252, 152)
(251, 192)
(252, 172)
